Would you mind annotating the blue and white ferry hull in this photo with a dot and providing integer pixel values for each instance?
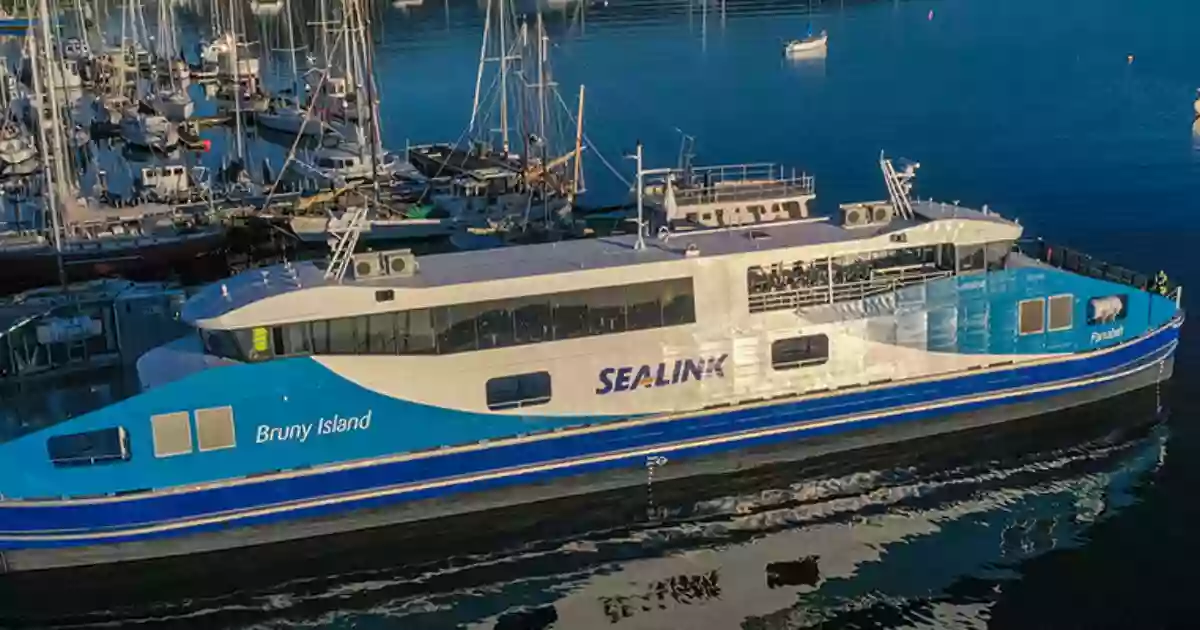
(43, 533)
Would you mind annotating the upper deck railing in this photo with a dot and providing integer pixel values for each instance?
(733, 183)
(1078, 262)
(880, 282)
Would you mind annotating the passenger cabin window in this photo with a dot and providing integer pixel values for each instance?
(797, 352)
(471, 326)
(1032, 315)
(91, 447)
(521, 390)
(997, 255)
(971, 258)
(1061, 312)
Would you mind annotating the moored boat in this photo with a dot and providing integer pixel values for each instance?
(810, 44)
(316, 398)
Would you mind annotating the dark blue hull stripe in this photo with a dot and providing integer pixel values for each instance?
(158, 514)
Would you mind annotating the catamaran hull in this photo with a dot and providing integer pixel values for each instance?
(444, 482)
(315, 230)
(193, 255)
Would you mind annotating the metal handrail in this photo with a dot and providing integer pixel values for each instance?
(841, 292)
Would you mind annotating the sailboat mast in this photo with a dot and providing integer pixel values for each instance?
(503, 79)
(40, 96)
(237, 86)
(541, 34)
(376, 133)
(483, 50)
(291, 39)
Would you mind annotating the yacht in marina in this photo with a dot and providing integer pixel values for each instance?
(382, 387)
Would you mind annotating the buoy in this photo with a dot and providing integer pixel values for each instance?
(206, 145)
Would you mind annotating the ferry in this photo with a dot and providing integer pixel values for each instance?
(376, 388)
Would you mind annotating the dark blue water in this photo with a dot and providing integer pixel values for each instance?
(1032, 107)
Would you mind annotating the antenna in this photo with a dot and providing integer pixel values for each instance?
(899, 185)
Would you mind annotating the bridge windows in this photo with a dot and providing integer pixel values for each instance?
(471, 326)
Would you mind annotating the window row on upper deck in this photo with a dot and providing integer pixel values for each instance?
(471, 326)
(798, 283)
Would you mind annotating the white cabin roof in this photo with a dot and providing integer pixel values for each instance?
(252, 297)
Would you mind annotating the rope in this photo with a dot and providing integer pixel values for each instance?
(299, 136)
(588, 141)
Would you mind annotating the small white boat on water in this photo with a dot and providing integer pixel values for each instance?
(285, 115)
(266, 7)
(175, 105)
(148, 131)
(810, 44)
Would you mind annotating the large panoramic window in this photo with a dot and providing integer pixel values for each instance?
(471, 326)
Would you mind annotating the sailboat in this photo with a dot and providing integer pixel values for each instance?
(284, 112)
(18, 152)
(84, 238)
(496, 188)
(171, 101)
(148, 130)
(809, 45)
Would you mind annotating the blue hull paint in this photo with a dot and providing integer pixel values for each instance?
(155, 509)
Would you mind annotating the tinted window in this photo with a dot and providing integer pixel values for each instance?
(533, 322)
(468, 327)
(678, 304)
(970, 257)
(320, 337)
(606, 311)
(796, 352)
(381, 333)
(417, 332)
(344, 336)
(456, 328)
(92, 447)
(644, 309)
(495, 328)
(521, 390)
(570, 316)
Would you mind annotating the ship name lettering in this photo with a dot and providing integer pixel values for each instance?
(301, 432)
(631, 377)
(1106, 335)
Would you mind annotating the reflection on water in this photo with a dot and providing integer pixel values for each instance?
(922, 534)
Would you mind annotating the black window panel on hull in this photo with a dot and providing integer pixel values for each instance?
(471, 327)
(91, 447)
(797, 352)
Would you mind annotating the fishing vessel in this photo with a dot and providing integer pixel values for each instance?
(376, 388)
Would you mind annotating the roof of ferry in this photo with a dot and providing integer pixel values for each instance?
(559, 257)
